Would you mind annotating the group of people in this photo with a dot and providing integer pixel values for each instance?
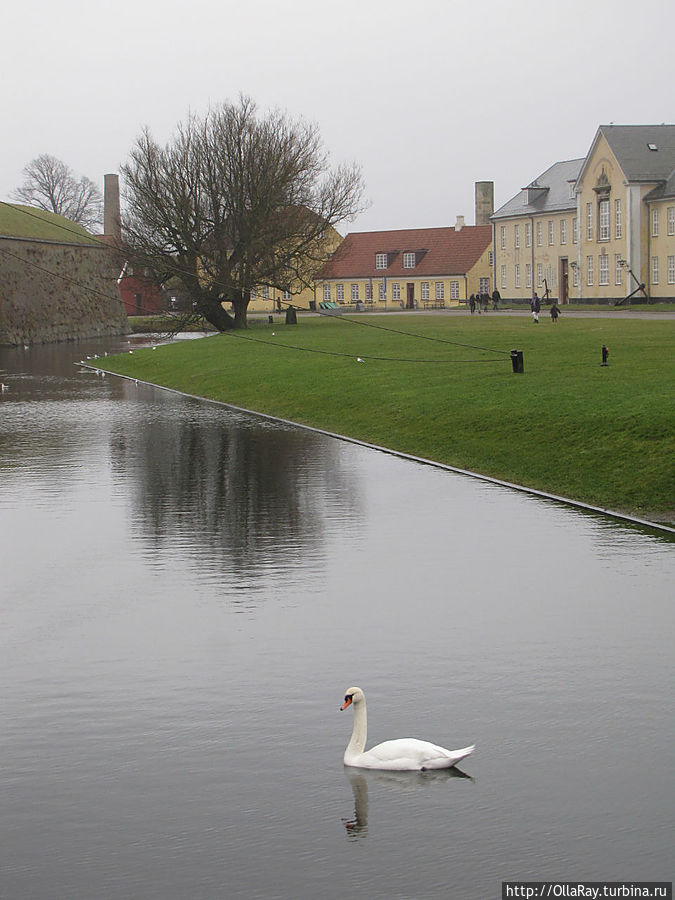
(535, 306)
(481, 301)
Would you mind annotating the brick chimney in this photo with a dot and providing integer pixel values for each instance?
(485, 201)
(112, 227)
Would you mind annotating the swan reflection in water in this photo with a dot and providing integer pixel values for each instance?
(404, 782)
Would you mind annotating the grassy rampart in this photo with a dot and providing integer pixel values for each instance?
(568, 425)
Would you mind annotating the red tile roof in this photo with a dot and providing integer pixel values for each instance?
(439, 251)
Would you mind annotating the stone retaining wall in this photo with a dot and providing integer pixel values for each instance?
(58, 292)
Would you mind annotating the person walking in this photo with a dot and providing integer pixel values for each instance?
(472, 304)
(555, 312)
(496, 297)
(535, 306)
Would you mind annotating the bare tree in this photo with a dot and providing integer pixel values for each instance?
(233, 202)
(52, 185)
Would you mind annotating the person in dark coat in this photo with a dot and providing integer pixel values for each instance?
(472, 304)
(555, 312)
(496, 297)
(535, 306)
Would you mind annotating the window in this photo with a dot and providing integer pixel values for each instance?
(528, 234)
(408, 260)
(655, 270)
(355, 292)
(618, 219)
(287, 295)
(252, 294)
(550, 232)
(603, 269)
(517, 276)
(516, 233)
(454, 287)
(326, 292)
(618, 269)
(655, 222)
(491, 258)
(575, 276)
(340, 293)
(503, 237)
(563, 231)
(425, 290)
(382, 291)
(440, 290)
(589, 221)
(570, 193)
(503, 276)
(396, 291)
(528, 275)
(380, 260)
(671, 220)
(266, 292)
(603, 220)
(589, 270)
(539, 233)
(540, 274)
(484, 285)
(575, 231)
(671, 270)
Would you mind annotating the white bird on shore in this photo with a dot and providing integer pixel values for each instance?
(404, 754)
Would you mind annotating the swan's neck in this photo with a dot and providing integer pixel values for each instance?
(357, 742)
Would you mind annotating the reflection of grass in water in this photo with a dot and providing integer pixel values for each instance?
(603, 435)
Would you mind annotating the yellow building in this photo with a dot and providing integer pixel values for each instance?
(408, 268)
(300, 289)
(626, 208)
(536, 236)
(596, 228)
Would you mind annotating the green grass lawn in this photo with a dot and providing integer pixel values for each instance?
(601, 435)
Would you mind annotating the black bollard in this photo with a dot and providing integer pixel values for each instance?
(270, 319)
(517, 361)
(605, 354)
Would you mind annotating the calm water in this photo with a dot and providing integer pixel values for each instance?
(186, 594)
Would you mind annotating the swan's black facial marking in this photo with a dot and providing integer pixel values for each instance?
(348, 697)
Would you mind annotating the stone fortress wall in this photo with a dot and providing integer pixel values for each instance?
(58, 291)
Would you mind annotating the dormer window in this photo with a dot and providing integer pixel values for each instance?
(380, 260)
(408, 260)
(652, 147)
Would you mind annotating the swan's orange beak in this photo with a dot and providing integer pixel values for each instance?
(348, 702)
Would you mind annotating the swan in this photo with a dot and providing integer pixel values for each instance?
(402, 755)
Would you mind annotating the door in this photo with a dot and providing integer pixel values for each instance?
(563, 281)
(410, 296)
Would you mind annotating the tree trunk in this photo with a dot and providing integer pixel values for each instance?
(216, 315)
(240, 319)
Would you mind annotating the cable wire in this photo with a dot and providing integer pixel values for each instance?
(288, 303)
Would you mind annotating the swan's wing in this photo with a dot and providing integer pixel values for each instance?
(411, 753)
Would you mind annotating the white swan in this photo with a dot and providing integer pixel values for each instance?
(404, 754)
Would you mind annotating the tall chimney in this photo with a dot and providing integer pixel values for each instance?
(485, 201)
(112, 227)
(459, 224)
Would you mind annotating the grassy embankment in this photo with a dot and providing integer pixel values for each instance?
(602, 435)
(17, 220)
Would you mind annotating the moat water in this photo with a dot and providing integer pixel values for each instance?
(186, 593)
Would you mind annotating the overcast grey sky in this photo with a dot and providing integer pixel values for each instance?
(427, 96)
